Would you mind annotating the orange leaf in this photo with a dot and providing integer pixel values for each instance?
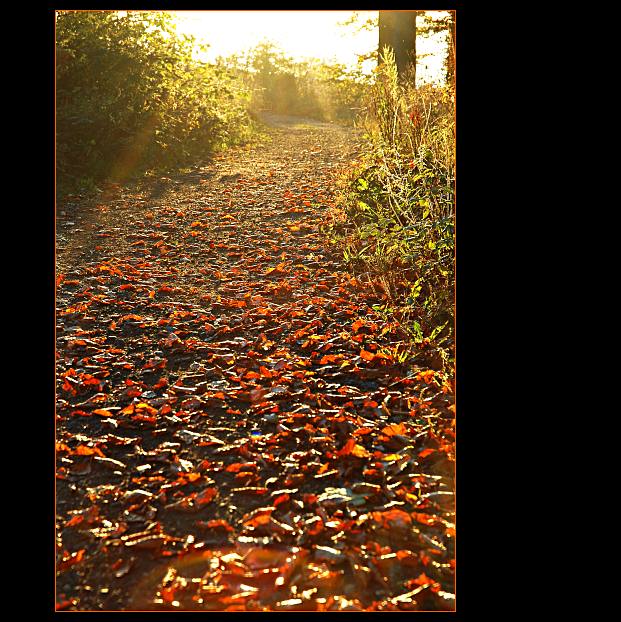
(393, 429)
(367, 356)
(102, 412)
(70, 560)
(76, 520)
(351, 448)
(206, 496)
(425, 453)
(357, 325)
(424, 519)
(392, 518)
(83, 450)
(238, 466)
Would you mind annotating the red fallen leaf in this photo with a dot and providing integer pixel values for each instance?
(161, 383)
(233, 304)
(214, 524)
(425, 453)
(90, 381)
(144, 418)
(393, 429)
(408, 558)
(279, 269)
(351, 448)
(330, 358)
(314, 526)
(392, 518)
(260, 516)
(206, 496)
(357, 325)
(102, 412)
(167, 594)
(62, 447)
(266, 373)
(281, 499)
(422, 579)
(367, 356)
(251, 375)
(362, 431)
(424, 519)
(139, 409)
(372, 473)
(238, 466)
(370, 404)
(70, 560)
(80, 413)
(427, 376)
(131, 316)
(76, 520)
(83, 450)
(62, 604)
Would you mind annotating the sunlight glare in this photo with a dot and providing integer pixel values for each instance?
(301, 35)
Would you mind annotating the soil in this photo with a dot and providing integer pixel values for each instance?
(234, 430)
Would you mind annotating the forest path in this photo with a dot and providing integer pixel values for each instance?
(228, 405)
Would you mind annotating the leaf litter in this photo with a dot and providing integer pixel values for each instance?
(233, 432)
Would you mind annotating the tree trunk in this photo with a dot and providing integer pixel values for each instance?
(397, 30)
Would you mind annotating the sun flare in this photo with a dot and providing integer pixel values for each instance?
(301, 34)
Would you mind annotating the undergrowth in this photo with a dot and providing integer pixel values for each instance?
(131, 96)
(395, 211)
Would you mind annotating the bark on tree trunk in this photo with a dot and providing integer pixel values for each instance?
(397, 30)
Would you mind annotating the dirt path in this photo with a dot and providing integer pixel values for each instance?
(232, 430)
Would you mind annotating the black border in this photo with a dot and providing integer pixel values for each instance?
(469, 442)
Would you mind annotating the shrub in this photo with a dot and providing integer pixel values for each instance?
(130, 95)
(397, 206)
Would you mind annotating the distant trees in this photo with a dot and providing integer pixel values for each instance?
(313, 88)
(397, 31)
(431, 23)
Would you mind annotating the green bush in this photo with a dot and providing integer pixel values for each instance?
(397, 220)
(130, 95)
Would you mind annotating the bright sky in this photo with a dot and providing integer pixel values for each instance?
(310, 34)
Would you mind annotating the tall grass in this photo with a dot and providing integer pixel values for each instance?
(396, 209)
